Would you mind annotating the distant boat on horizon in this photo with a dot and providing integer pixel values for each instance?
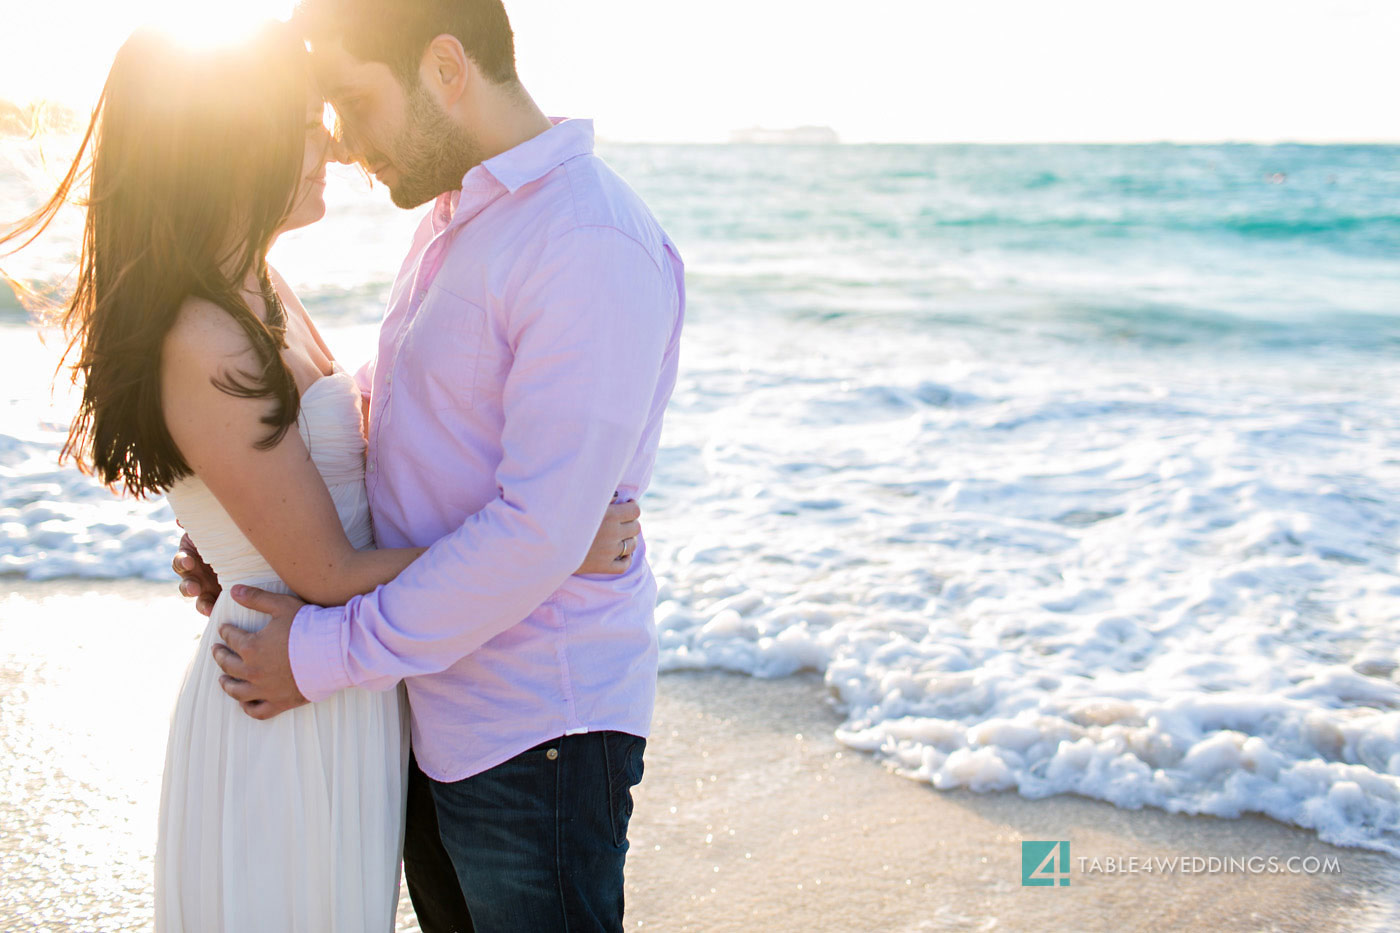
(797, 136)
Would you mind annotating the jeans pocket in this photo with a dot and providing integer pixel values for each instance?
(622, 754)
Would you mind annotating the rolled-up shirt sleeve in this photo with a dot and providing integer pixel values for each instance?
(589, 328)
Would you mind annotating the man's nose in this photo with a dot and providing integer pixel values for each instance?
(342, 150)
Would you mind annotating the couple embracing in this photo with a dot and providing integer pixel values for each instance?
(523, 366)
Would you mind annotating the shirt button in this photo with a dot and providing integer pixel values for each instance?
(552, 754)
(371, 467)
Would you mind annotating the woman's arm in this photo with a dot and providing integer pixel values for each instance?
(276, 496)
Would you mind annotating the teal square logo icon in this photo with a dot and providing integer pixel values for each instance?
(1043, 864)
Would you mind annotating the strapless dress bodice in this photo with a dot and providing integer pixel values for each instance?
(329, 424)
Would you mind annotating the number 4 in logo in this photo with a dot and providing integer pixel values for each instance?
(1044, 863)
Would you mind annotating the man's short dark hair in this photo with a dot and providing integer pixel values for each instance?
(396, 32)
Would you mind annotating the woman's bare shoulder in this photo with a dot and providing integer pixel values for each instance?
(206, 340)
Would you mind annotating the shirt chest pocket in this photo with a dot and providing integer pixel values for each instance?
(444, 349)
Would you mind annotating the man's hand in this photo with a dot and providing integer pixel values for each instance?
(257, 671)
(616, 540)
(197, 579)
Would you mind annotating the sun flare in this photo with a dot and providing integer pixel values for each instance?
(28, 70)
(211, 24)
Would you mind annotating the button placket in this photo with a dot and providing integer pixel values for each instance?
(420, 291)
(429, 264)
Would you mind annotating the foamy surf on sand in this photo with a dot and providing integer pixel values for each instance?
(1153, 587)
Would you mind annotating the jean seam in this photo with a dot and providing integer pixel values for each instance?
(634, 754)
(559, 836)
(608, 783)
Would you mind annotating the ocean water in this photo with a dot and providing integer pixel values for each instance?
(1073, 469)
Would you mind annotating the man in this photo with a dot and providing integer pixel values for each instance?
(526, 358)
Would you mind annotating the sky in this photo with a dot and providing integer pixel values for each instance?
(874, 70)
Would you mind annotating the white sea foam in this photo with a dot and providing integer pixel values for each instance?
(54, 521)
(1155, 581)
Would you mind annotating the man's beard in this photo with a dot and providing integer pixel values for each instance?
(431, 155)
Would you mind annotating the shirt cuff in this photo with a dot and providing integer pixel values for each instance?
(315, 651)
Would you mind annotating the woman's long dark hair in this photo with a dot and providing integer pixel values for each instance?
(192, 160)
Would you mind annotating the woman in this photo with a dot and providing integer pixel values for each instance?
(204, 378)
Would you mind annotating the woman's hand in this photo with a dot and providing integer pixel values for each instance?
(616, 542)
(197, 579)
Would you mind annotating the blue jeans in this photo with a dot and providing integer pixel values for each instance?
(538, 842)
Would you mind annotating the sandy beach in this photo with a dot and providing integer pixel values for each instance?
(751, 816)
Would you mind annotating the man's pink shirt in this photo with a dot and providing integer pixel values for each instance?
(527, 355)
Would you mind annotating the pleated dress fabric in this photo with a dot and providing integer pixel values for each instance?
(293, 825)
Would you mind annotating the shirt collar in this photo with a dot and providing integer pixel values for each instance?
(444, 209)
(540, 155)
(512, 170)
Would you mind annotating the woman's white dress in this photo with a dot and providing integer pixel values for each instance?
(294, 824)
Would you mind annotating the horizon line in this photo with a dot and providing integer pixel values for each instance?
(77, 113)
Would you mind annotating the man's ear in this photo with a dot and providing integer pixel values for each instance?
(445, 70)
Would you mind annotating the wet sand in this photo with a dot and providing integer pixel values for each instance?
(751, 816)
(765, 822)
